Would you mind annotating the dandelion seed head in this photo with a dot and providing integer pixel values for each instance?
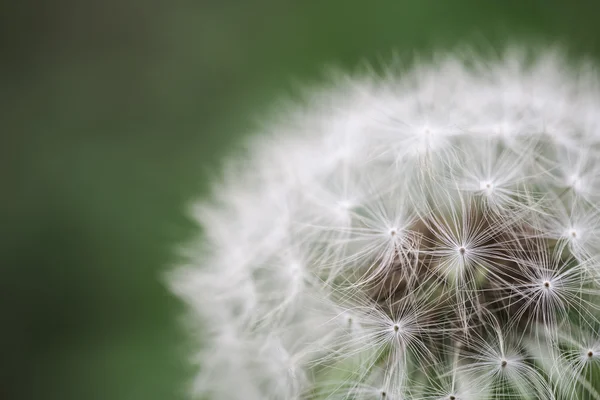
(428, 232)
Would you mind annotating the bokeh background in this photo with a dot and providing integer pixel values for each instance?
(113, 116)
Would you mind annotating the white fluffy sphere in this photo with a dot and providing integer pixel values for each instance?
(425, 233)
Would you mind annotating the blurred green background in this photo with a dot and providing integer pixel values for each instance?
(112, 114)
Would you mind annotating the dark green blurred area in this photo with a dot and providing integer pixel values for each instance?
(112, 114)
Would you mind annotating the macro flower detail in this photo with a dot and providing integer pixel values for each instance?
(431, 232)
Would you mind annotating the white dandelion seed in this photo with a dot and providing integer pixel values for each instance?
(574, 224)
(574, 356)
(502, 367)
(549, 288)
